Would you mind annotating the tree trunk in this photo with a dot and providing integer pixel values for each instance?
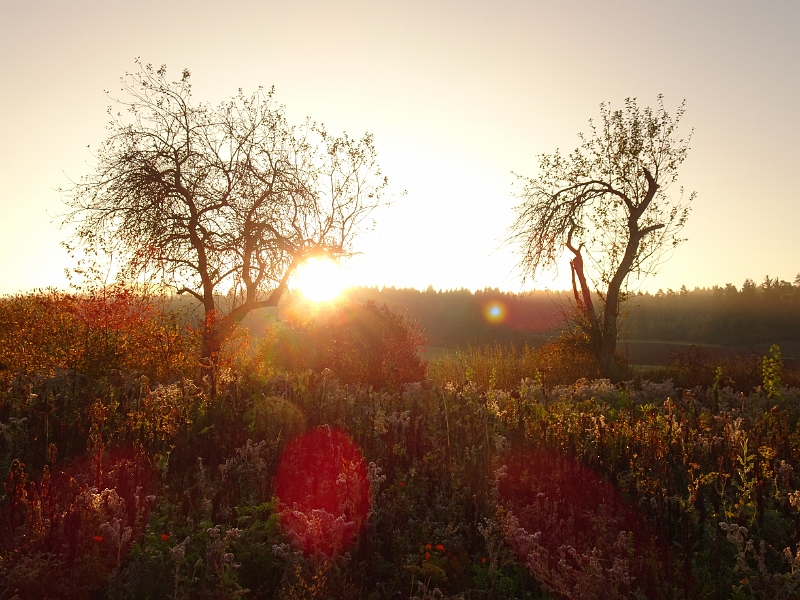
(212, 341)
(583, 299)
(608, 346)
(217, 328)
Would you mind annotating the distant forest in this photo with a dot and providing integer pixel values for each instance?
(754, 314)
(458, 318)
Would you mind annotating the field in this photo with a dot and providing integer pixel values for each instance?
(130, 469)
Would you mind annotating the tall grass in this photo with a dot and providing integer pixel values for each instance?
(504, 367)
(502, 476)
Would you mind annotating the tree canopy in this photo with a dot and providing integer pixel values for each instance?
(220, 202)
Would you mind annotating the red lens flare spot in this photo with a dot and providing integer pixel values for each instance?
(323, 492)
(495, 312)
(552, 501)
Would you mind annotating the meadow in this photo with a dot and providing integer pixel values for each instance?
(327, 460)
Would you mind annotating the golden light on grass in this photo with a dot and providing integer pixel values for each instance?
(319, 279)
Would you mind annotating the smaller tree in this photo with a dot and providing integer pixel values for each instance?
(605, 203)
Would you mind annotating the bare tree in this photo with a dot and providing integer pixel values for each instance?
(220, 202)
(606, 203)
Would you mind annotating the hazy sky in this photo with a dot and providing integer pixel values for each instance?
(457, 94)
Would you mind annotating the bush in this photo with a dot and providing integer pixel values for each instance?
(360, 343)
(105, 328)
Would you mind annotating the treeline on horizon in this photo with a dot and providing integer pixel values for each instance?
(753, 314)
(756, 313)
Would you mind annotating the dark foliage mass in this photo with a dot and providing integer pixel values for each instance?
(94, 333)
(503, 474)
(455, 318)
(721, 315)
(360, 343)
(753, 315)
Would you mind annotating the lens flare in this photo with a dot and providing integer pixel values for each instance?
(323, 492)
(494, 312)
(551, 500)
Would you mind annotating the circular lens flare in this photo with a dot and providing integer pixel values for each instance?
(494, 312)
(319, 279)
(323, 492)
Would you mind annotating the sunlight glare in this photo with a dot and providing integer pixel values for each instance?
(319, 279)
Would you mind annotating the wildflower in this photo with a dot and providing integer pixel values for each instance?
(427, 546)
(165, 537)
(401, 484)
(440, 547)
(744, 580)
(98, 538)
(427, 556)
(483, 560)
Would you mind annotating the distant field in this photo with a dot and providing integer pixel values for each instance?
(659, 353)
(432, 353)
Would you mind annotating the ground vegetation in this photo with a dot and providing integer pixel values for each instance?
(468, 483)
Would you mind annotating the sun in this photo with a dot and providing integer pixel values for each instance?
(319, 279)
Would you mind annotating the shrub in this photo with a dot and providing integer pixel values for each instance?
(94, 332)
(360, 343)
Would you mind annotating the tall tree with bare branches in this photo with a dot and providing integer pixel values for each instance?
(607, 205)
(220, 202)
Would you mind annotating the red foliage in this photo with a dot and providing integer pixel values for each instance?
(113, 327)
(323, 491)
(575, 520)
(83, 516)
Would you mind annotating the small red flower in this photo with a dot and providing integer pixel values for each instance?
(98, 538)
(401, 484)
(744, 580)
(483, 560)
(427, 556)
(427, 546)
(165, 537)
(440, 547)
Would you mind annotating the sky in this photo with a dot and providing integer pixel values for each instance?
(458, 95)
